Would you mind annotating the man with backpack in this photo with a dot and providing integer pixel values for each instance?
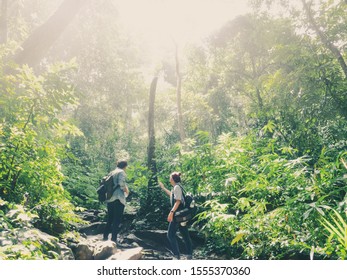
(116, 203)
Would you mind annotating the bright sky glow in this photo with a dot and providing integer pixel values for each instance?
(158, 22)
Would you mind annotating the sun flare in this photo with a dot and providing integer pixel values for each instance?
(161, 21)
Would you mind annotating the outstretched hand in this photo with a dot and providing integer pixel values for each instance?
(164, 189)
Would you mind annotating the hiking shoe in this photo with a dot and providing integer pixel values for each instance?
(189, 257)
(120, 246)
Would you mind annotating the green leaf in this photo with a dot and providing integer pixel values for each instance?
(238, 237)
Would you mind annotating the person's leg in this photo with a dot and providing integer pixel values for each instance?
(118, 214)
(110, 218)
(171, 236)
(187, 241)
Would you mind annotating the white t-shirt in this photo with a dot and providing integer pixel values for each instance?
(177, 194)
(119, 178)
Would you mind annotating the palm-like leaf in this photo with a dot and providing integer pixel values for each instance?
(337, 228)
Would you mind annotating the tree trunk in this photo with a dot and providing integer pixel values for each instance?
(3, 22)
(129, 112)
(260, 100)
(179, 98)
(151, 161)
(335, 51)
(40, 41)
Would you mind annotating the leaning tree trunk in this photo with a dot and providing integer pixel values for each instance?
(151, 161)
(40, 41)
(3, 22)
(128, 114)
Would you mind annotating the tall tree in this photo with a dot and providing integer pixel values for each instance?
(151, 161)
(179, 95)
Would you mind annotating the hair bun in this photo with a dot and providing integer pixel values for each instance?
(176, 176)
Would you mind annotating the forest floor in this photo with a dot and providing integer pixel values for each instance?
(154, 248)
(153, 240)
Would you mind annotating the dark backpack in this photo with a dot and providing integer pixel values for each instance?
(187, 212)
(106, 188)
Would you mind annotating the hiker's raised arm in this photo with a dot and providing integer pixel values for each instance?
(164, 189)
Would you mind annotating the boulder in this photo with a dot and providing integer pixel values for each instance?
(92, 229)
(84, 251)
(65, 252)
(103, 250)
(129, 254)
(157, 240)
(149, 239)
(26, 241)
(92, 215)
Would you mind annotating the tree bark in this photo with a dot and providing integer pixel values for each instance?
(335, 51)
(151, 161)
(39, 42)
(3, 22)
(179, 97)
(128, 114)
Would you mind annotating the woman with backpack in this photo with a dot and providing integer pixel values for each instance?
(177, 203)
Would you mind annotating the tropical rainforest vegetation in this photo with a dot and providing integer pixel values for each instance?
(255, 118)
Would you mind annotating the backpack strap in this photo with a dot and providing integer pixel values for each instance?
(117, 180)
(183, 194)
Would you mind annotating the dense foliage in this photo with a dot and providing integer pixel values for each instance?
(32, 137)
(266, 203)
(264, 111)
